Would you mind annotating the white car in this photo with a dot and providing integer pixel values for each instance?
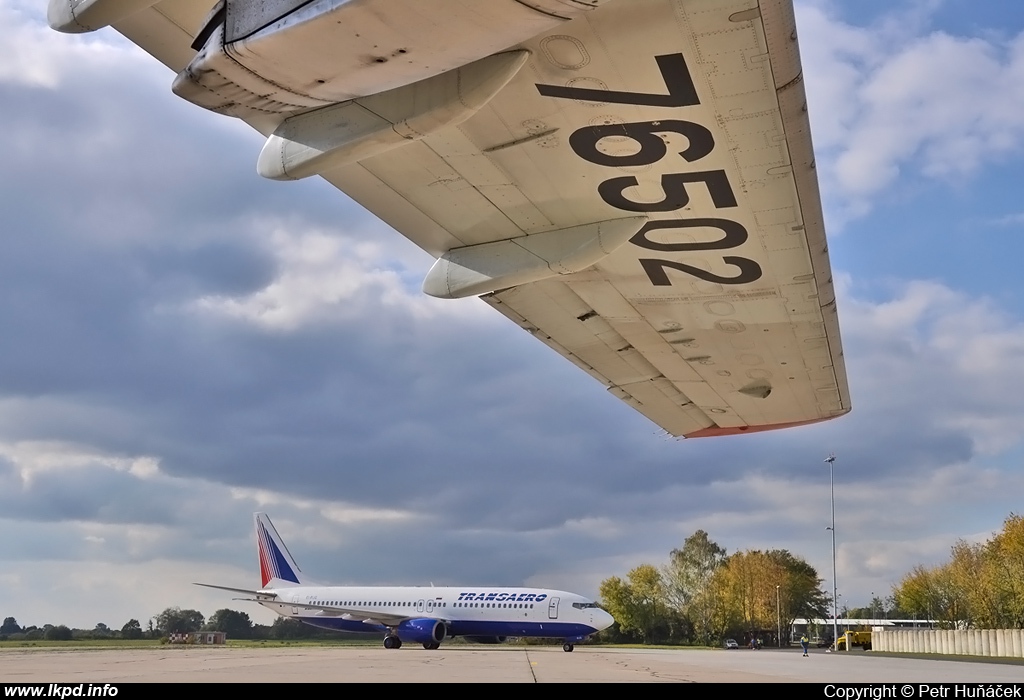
(731, 644)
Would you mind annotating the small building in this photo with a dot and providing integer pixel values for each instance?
(821, 629)
(197, 638)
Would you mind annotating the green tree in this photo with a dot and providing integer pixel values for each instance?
(10, 626)
(236, 625)
(1005, 558)
(174, 620)
(982, 585)
(745, 584)
(131, 630)
(800, 593)
(59, 633)
(970, 596)
(875, 609)
(758, 590)
(687, 582)
(637, 604)
(616, 599)
(929, 594)
(289, 628)
(701, 593)
(893, 609)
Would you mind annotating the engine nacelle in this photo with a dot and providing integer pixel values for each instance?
(285, 56)
(486, 640)
(422, 630)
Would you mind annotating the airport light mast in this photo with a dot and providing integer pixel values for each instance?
(835, 597)
(778, 616)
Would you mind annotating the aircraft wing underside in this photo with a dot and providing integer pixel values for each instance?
(653, 159)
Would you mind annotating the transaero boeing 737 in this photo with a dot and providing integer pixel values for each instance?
(424, 615)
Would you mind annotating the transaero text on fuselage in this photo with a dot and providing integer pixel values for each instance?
(504, 597)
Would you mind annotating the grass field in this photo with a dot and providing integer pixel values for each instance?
(156, 644)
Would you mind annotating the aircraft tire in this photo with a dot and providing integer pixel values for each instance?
(392, 642)
(567, 647)
(431, 645)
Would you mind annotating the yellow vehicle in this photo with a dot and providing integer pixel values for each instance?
(856, 639)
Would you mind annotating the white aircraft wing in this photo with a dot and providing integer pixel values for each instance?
(637, 191)
(370, 617)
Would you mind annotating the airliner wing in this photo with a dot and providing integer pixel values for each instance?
(374, 617)
(641, 197)
(265, 595)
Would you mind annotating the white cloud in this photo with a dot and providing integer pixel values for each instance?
(958, 358)
(85, 593)
(35, 55)
(1008, 220)
(332, 511)
(884, 99)
(324, 276)
(32, 458)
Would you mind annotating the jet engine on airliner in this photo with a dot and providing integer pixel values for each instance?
(422, 630)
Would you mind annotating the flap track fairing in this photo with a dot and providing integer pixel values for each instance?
(330, 137)
(486, 267)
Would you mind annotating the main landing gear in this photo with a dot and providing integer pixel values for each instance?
(393, 642)
(567, 647)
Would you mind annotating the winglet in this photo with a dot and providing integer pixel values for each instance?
(275, 560)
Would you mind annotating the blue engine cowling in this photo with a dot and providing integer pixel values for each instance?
(422, 630)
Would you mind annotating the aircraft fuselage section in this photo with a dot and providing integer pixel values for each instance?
(496, 612)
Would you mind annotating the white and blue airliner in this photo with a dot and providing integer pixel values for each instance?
(422, 615)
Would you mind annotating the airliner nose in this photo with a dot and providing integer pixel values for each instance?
(604, 620)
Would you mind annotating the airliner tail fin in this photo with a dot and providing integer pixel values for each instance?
(276, 563)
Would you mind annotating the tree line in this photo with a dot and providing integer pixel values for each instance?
(704, 595)
(236, 625)
(981, 586)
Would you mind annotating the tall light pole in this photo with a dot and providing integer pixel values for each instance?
(778, 615)
(835, 598)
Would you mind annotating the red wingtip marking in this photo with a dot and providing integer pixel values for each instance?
(740, 430)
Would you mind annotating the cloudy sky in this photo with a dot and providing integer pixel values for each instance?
(183, 343)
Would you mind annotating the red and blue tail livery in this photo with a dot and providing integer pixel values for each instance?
(421, 615)
(275, 560)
